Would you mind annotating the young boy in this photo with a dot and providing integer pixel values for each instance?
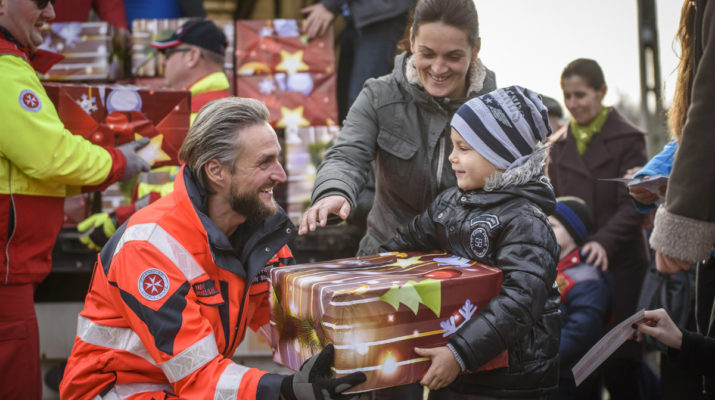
(497, 215)
(585, 295)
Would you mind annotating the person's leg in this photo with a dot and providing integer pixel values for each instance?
(375, 49)
(19, 344)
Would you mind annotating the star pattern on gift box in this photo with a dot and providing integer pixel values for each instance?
(406, 262)
(265, 31)
(292, 117)
(152, 153)
(266, 86)
(292, 62)
(88, 104)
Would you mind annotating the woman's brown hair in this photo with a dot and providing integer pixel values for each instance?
(684, 82)
(461, 14)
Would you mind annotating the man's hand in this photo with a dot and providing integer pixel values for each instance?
(318, 20)
(97, 229)
(443, 369)
(595, 254)
(659, 325)
(318, 213)
(135, 164)
(313, 381)
(668, 264)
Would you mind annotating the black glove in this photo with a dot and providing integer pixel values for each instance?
(313, 381)
(135, 164)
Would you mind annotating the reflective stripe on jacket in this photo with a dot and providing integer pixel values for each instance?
(40, 163)
(169, 303)
(210, 87)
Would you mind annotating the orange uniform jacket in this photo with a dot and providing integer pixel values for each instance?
(169, 303)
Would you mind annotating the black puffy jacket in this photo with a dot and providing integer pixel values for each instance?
(506, 228)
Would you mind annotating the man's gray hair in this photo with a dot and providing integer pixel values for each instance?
(213, 134)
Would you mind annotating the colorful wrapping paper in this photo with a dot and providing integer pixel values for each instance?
(110, 115)
(92, 50)
(376, 309)
(294, 77)
(304, 149)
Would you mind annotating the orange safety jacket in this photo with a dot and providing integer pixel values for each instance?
(169, 303)
(41, 162)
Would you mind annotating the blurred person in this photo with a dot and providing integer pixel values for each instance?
(176, 287)
(556, 113)
(163, 9)
(600, 143)
(368, 42)
(111, 11)
(496, 214)
(585, 296)
(41, 163)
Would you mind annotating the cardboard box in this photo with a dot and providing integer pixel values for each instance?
(376, 309)
(93, 51)
(110, 115)
(304, 149)
(294, 77)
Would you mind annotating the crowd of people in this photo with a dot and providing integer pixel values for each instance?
(457, 163)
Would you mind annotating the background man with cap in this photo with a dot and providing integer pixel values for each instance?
(41, 162)
(194, 58)
(585, 295)
(497, 215)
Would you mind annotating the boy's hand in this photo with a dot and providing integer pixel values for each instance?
(443, 370)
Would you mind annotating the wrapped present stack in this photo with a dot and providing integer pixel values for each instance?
(376, 310)
(93, 51)
(304, 149)
(110, 115)
(294, 77)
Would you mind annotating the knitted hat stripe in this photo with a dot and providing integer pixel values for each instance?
(473, 131)
(535, 116)
(498, 116)
(573, 220)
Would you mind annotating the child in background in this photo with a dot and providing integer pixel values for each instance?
(497, 215)
(585, 295)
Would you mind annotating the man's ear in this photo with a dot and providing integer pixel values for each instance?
(216, 174)
(193, 57)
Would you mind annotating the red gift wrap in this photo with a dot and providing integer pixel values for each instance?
(294, 77)
(110, 115)
(376, 310)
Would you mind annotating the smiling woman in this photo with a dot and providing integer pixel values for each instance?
(401, 122)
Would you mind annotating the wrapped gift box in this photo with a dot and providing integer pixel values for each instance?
(294, 100)
(294, 77)
(376, 309)
(92, 50)
(110, 115)
(304, 149)
(147, 62)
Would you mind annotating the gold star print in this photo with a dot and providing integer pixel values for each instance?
(406, 262)
(292, 118)
(152, 152)
(292, 62)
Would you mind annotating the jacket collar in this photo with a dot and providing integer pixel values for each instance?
(538, 191)
(41, 60)
(211, 82)
(573, 258)
(225, 250)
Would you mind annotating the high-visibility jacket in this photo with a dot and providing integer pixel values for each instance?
(41, 162)
(169, 303)
(211, 87)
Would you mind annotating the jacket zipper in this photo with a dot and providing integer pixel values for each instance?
(14, 224)
(440, 162)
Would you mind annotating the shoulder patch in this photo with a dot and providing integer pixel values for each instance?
(205, 289)
(153, 284)
(479, 241)
(29, 101)
(491, 221)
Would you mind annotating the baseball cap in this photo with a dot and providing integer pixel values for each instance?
(198, 32)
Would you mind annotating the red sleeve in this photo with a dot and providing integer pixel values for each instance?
(111, 11)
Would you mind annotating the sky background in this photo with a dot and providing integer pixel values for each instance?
(529, 42)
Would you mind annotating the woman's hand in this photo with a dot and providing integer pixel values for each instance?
(668, 264)
(659, 325)
(319, 212)
(443, 369)
(643, 195)
(595, 254)
(318, 20)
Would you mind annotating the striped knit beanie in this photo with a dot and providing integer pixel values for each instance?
(575, 215)
(503, 126)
